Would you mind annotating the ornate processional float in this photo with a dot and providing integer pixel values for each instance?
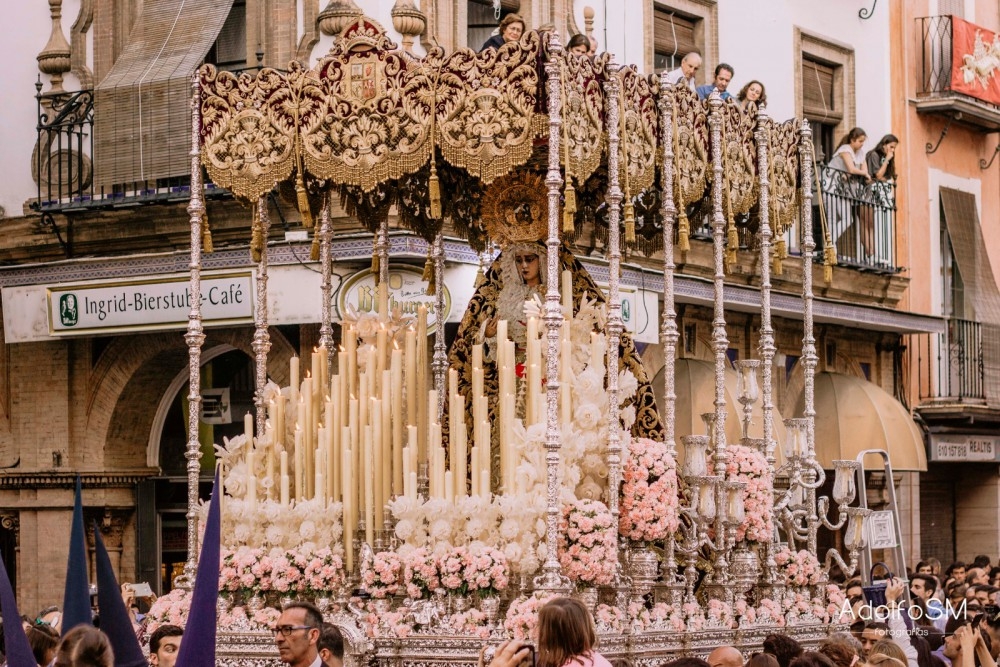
(430, 501)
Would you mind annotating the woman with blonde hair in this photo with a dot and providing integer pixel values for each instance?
(887, 653)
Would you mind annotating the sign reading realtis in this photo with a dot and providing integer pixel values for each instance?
(164, 303)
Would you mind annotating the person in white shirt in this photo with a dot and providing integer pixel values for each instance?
(689, 67)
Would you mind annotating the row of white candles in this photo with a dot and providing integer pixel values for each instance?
(348, 437)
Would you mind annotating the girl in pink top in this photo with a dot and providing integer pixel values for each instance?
(566, 636)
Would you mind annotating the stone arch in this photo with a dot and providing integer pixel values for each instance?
(135, 371)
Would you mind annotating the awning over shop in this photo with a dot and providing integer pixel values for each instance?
(695, 389)
(853, 414)
(142, 119)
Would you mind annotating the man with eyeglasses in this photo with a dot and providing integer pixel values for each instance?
(296, 634)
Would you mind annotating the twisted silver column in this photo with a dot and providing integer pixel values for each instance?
(194, 338)
(261, 337)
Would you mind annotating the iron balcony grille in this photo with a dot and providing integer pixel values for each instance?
(950, 365)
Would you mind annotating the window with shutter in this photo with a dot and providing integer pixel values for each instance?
(142, 108)
(674, 36)
(818, 91)
(230, 49)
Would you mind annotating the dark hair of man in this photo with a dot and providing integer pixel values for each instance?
(929, 581)
(314, 617)
(160, 633)
(331, 640)
(578, 40)
(957, 565)
(812, 659)
(954, 623)
(782, 647)
(877, 625)
(724, 66)
(981, 561)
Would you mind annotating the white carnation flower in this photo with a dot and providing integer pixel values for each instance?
(509, 530)
(627, 416)
(404, 529)
(242, 533)
(587, 416)
(307, 529)
(440, 530)
(588, 385)
(627, 384)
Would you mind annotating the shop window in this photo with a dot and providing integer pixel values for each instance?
(230, 49)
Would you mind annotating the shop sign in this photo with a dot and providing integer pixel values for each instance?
(952, 447)
(640, 312)
(146, 305)
(407, 292)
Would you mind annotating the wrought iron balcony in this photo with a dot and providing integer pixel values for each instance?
(950, 365)
(938, 92)
(861, 217)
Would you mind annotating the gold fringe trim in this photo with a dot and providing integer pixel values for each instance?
(206, 234)
(569, 208)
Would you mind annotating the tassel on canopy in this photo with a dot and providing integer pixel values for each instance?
(569, 208)
(683, 234)
(206, 234)
(629, 222)
(428, 276)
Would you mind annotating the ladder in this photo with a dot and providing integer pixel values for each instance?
(882, 526)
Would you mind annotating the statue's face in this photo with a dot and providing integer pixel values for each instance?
(527, 266)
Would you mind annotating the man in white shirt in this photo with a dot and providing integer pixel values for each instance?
(296, 633)
(689, 67)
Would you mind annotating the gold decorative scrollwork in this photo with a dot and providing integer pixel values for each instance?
(691, 165)
(583, 115)
(640, 125)
(486, 108)
(784, 175)
(374, 119)
(248, 137)
(740, 189)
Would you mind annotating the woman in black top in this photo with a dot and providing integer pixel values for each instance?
(511, 29)
(881, 165)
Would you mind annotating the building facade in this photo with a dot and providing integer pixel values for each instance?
(95, 183)
(947, 122)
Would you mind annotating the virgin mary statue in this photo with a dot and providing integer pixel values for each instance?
(514, 213)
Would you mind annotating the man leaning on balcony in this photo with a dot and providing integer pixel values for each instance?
(689, 67)
(723, 75)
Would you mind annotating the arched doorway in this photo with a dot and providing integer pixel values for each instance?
(227, 385)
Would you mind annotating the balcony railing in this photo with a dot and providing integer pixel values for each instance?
(935, 92)
(861, 217)
(950, 365)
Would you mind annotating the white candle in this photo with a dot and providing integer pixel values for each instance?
(294, 374)
(348, 514)
(413, 486)
(567, 293)
(284, 479)
(299, 464)
(369, 463)
(396, 411)
(375, 474)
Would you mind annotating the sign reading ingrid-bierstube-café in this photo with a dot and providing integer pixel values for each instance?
(158, 304)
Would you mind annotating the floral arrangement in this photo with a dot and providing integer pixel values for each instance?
(522, 617)
(649, 496)
(420, 572)
(661, 617)
(748, 465)
(323, 572)
(451, 567)
(236, 569)
(382, 574)
(609, 618)
(800, 568)
(770, 612)
(587, 542)
(694, 616)
(485, 571)
(719, 613)
(169, 609)
(745, 612)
